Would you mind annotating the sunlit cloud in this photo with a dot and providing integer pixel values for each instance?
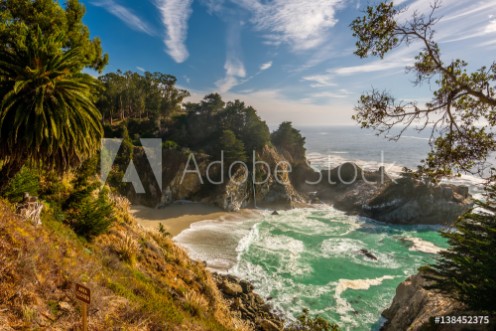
(175, 15)
(302, 24)
(266, 66)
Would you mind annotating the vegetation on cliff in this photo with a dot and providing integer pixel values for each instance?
(139, 280)
(466, 270)
(50, 128)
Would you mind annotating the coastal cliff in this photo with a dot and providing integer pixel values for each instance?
(414, 308)
(197, 177)
(373, 194)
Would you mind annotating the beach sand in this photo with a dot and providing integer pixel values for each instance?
(176, 218)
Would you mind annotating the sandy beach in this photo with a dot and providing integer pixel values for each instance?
(178, 217)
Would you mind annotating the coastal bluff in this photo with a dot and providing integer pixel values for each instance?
(197, 177)
(414, 308)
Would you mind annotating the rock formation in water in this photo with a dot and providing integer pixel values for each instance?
(405, 200)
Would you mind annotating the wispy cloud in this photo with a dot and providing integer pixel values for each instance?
(235, 72)
(266, 66)
(302, 24)
(324, 80)
(213, 6)
(140, 69)
(125, 15)
(458, 20)
(373, 67)
(234, 66)
(175, 15)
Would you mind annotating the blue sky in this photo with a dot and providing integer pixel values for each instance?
(290, 59)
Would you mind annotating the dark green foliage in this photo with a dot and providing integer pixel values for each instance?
(203, 125)
(88, 215)
(376, 30)
(232, 147)
(246, 125)
(19, 18)
(170, 144)
(145, 98)
(26, 180)
(289, 139)
(163, 231)
(47, 114)
(93, 216)
(307, 323)
(467, 270)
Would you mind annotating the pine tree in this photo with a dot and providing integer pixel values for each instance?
(467, 270)
(232, 147)
(289, 139)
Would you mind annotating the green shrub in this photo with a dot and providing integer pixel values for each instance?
(91, 216)
(170, 144)
(27, 180)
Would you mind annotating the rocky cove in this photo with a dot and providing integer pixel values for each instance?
(349, 188)
(289, 183)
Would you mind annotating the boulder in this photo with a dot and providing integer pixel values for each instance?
(231, 289)
(268, 325)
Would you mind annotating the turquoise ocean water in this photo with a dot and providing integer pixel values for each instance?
(311, 258)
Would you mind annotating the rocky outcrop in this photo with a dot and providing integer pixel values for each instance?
(252, 308)
(415, 308)
(405, 200)
(177, 184)
(374, 194)
(198, 177)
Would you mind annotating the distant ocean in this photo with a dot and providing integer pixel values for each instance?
(310, 258)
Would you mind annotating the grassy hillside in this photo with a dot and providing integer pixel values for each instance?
(139, 280)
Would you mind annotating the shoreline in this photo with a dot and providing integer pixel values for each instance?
(177, 218)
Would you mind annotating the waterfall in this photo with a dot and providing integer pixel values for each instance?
(254, 193)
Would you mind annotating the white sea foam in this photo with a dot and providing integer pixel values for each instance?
(333, 247)
(328, 161)
(247, 240)
(342, 306)
(421, 245)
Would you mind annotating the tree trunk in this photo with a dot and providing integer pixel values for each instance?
(8, 172)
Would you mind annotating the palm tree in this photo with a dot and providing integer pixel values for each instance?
(47, 113)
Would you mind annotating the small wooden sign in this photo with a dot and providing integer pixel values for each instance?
(83, 293)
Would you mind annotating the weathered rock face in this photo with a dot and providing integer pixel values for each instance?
(177, 184)
(414, 308)
(277, 188)
(202, 181)
(401, 201)
(235, 194)
(413, 202)
(252, 308)
(273, 186)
